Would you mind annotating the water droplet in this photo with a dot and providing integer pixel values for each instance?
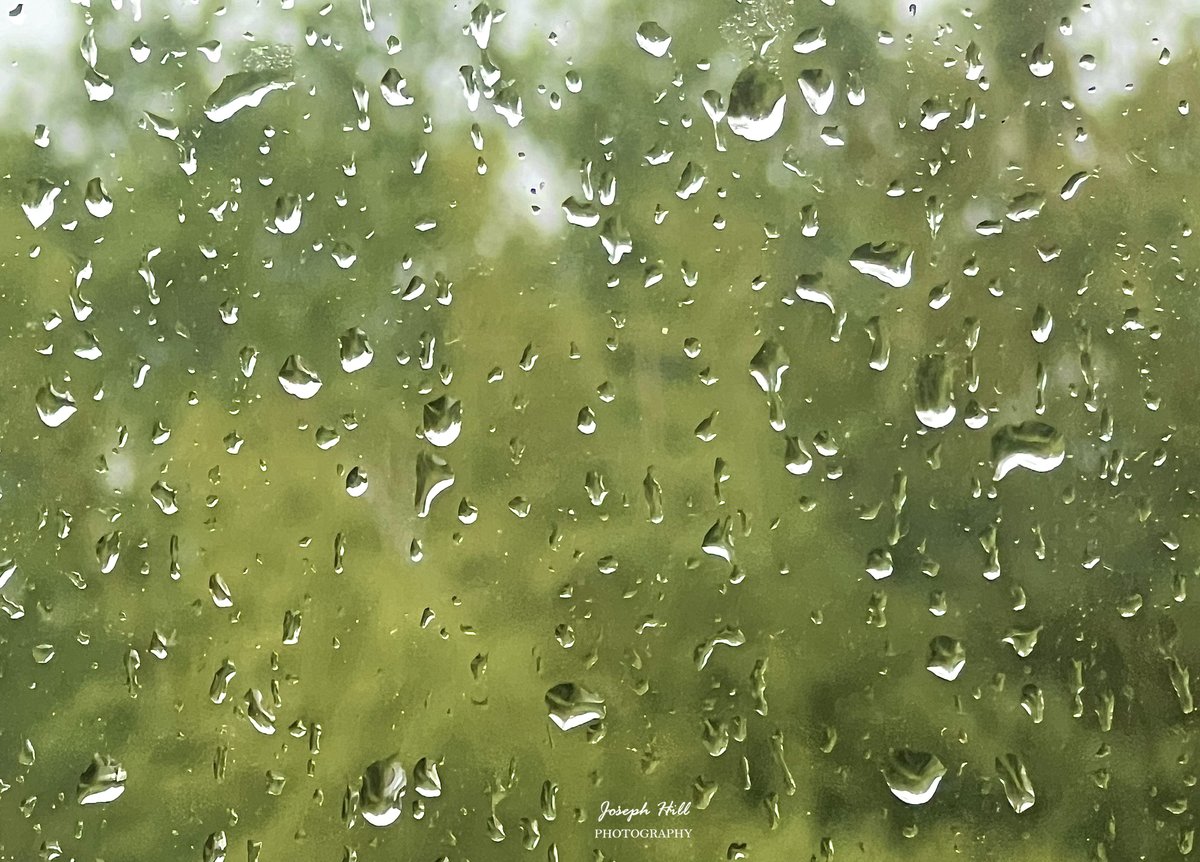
(38, 200)
(356, 482)
(288, 213)
(653, 39)
(817, 88)
(1017, 786)
(245, 90)
(391, 87)
(103, 781)
(947, 657)
(756, 103)
(96, 198)
(1033, 445)
(890, 262)
(571, 705)
(1040, 63)
(426, 780)
(54, 407)
(933, 395)
(433, 476)
(383, 786)
(913, 776)
(767, 366)
(810, 40)
(296, 378)
(355, 350)
(442, 420)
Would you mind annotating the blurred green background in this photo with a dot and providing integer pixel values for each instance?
(1037, 160)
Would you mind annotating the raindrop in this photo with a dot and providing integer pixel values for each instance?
(296, 378)
(572, 705)
(245, 90)
(890, 262)
(442, 420)
(653, 39)
(383, 786)
(756, 103)
(355, 351)
(54, 407)
(103, 781)
(1035, 446)
(1017, 786)
(913, 776)
(947, 657)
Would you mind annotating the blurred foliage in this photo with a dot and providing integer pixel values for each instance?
(1062, 196)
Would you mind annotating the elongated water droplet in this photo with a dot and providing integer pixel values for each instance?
(383, 786)
(245, 90)
(933, 395)
(1033, 445)
(890, 262)
(1017, 786)
(433, 476)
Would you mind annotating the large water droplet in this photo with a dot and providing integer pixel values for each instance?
(38, 200)
(653, 39)
(244, 90)
(756, 103)
(103, 781)
(442, 420)
(1017, 786)
(54, 407)
(571, 705)
(913, 776)
(297, 379)
(433, 476)
(947, 657)
(890, 262)
(1033, 445)
(383, 786)
(933, 396)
